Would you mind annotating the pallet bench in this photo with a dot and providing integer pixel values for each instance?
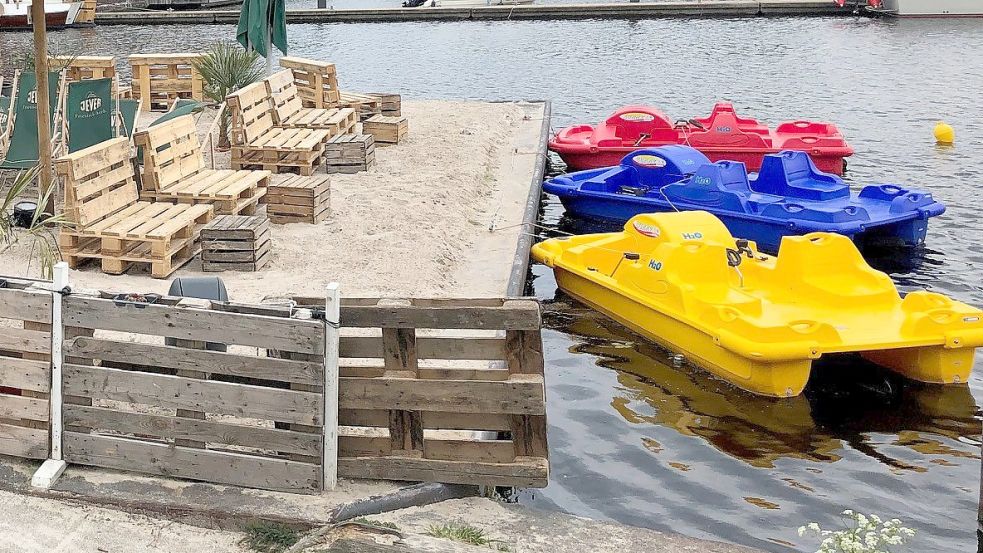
(235, 243)
(160, 79)
(288, 109)
(317, 81)
(349, 153)
(110, 224)
(174, 171)
(386, 130)
(366, 105)
(299, 200)
(258, 143)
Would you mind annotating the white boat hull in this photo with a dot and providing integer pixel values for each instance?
(934, 8)
(476, 3)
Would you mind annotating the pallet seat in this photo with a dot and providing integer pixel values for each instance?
(108, 222)
(174, 171)
(258, 143)
(289, 111)
(366, 105)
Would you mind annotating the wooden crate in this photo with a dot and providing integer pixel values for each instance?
(174, 171)
(109, 224)
(235, 243)
(392, 104)
(366, 105)
(317, 81)
(160, 79)
(385, 129)
(349, 153)
(257, 143)
(299, 200)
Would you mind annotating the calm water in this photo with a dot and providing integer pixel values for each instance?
(640, 442)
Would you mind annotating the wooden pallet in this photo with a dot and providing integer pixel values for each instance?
(174, 171)
(289, 111)
(258, 143)
(235, 243)
(385, 129)
(80, 68)
(110, 224)
(349, 153)
(366, 105)
(392, 104)
(160, 79)
(317, 81)
(299, 200)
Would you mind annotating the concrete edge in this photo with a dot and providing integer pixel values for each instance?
(520, 263)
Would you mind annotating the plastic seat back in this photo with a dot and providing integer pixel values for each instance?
(794, 175)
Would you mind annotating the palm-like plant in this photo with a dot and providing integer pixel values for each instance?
(41, 229)
(226, 68)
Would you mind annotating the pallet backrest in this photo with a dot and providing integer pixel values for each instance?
(78, 68)
(252, 113)
(171, 152)
(283, 92)
(316, 81)
(98, 180)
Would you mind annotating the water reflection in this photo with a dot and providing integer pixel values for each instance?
(842, 404)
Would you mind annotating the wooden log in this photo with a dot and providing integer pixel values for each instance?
(175, 392)
(194, 464)
(246, 366)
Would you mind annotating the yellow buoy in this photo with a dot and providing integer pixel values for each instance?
(944, 133)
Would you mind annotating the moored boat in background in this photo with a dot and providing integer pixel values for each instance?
(919, 8)
(15, 15)
(722, 136)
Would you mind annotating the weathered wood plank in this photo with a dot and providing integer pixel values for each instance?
(196, 324)
(191, 463)
(521, 394)
(264, 368)
(512, 315)
(25, 305)
(19, 441)
(176, 392)
(523, 472)
(28, 374)
(191, 429)
(431, 421)
(429, 347)
(20, 407)
(22, 340)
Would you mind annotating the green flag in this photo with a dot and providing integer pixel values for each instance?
(260, 20)
(23, 150)
(88, 112)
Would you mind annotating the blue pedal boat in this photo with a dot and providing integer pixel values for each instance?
(789, 196)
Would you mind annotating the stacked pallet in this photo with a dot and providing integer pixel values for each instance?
(299, 200)
(160, 79)
(391, 104)
(349, 153)
(365, 105)
(386, 129)
(317, 82)
(235, 243)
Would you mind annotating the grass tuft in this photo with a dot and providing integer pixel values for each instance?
(269, 537)
(459, 532)
(370, 522)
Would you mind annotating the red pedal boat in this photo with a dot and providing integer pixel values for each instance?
(721, 136)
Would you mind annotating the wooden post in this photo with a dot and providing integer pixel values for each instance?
(43, 109)
(332, 331)
(50, 470)
(524, 353)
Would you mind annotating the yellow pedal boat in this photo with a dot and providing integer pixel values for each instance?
(756, 320)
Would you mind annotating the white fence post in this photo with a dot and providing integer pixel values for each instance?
(332, 328)
(51, 469)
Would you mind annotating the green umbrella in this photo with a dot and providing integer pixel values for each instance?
(262, 22)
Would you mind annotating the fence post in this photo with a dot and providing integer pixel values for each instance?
(51, 469)
(329, 443)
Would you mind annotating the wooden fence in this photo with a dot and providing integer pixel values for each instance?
(276, 397)
(25, 369)
(442, 390)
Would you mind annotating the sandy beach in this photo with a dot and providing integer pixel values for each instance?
(417, 224)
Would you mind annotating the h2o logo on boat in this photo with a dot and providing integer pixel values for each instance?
(90, 103)
(703, 181)
(655, 265)
(724, 129)
(692, 235)
(637, 117)
(651, 231)
(651, 161)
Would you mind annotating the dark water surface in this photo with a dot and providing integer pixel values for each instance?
(632, 438)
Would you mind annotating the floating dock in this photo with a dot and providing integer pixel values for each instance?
(621, 10)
